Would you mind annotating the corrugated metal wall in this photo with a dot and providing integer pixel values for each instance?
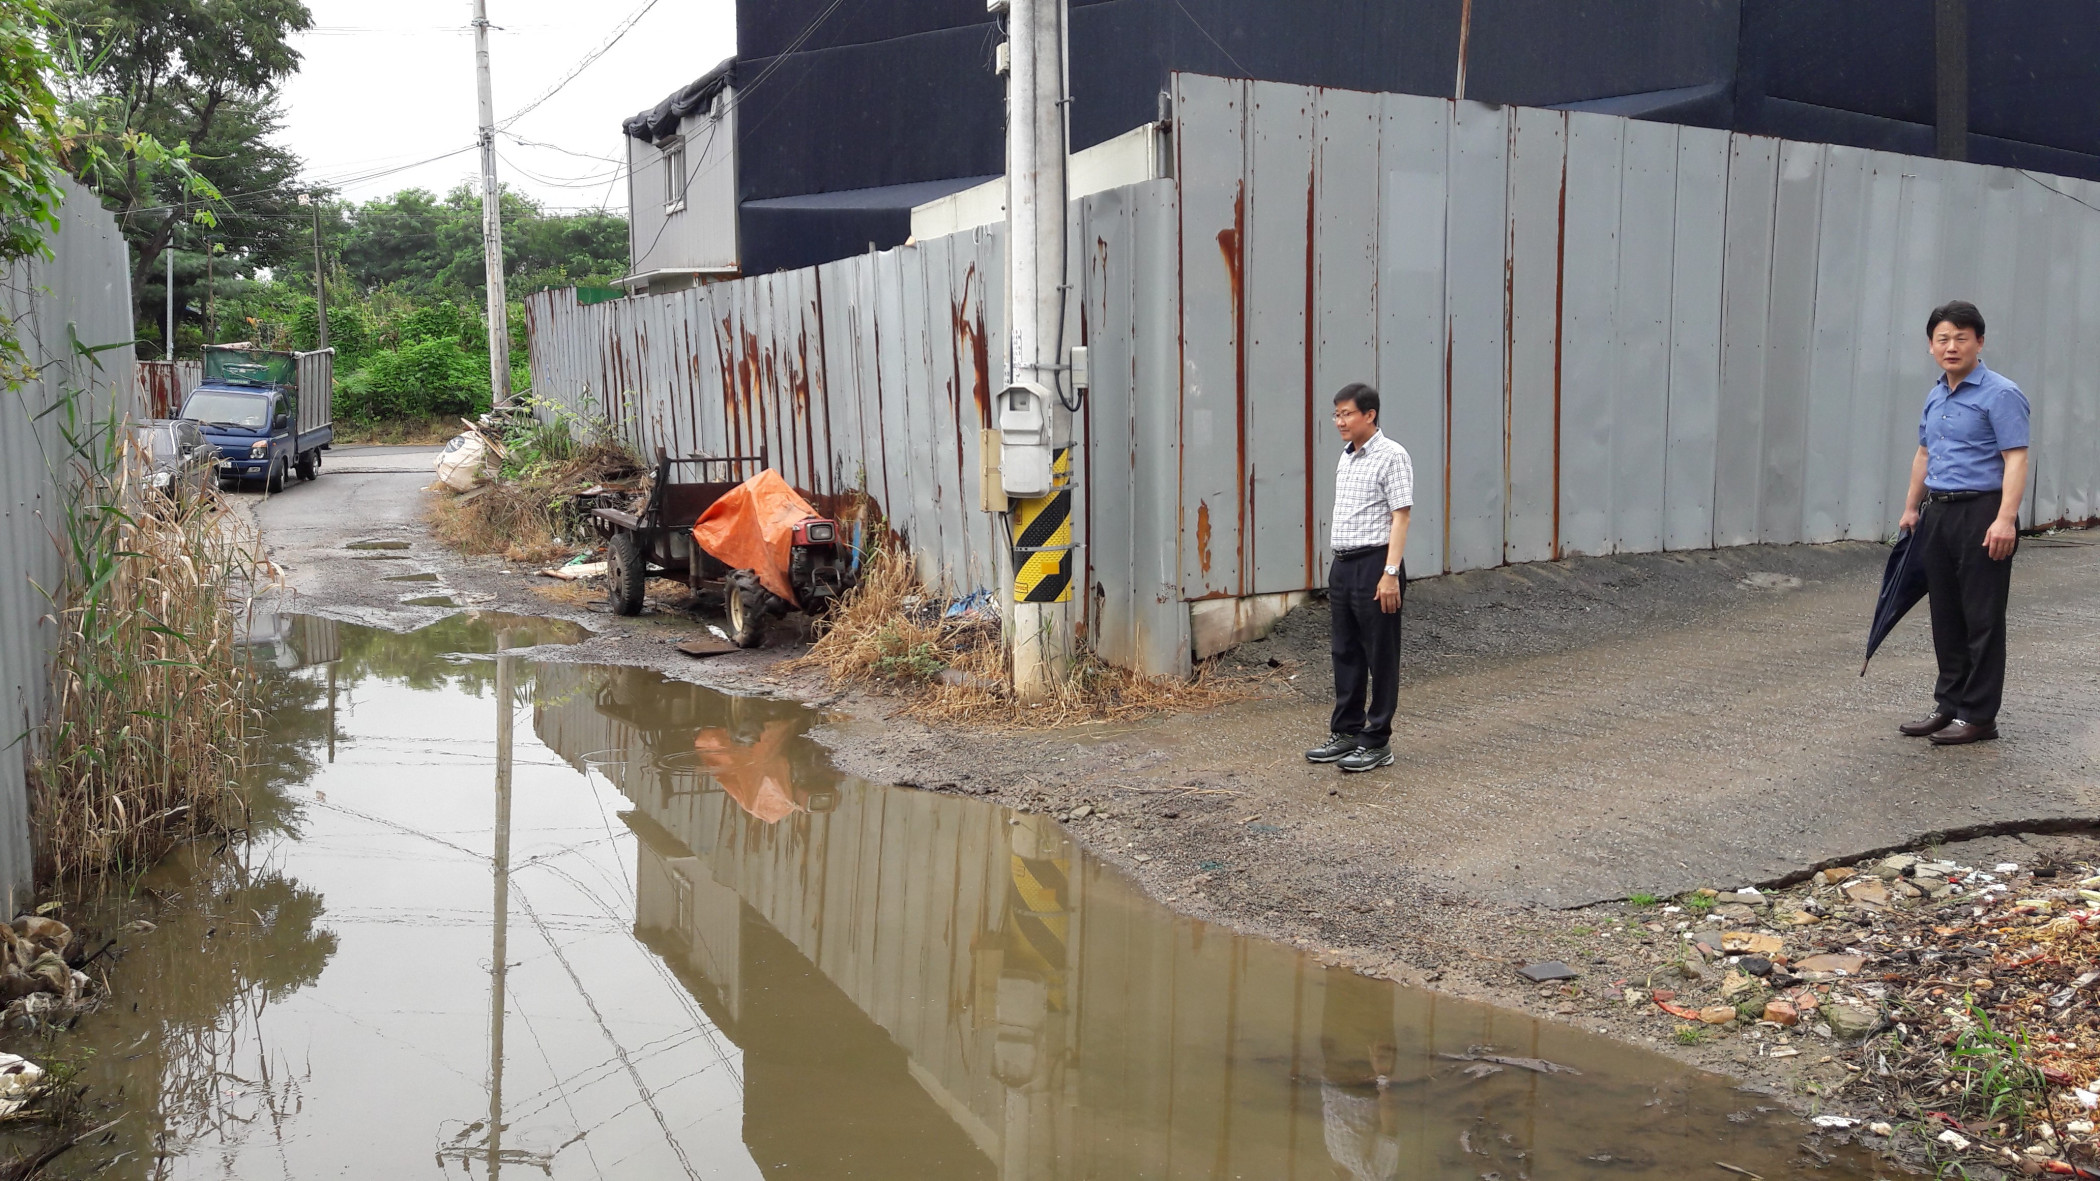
(1595, 335)
(163, 385)
(82, 295)
(873, 373)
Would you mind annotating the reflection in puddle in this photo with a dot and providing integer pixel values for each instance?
(424, 577)
(377, 545)
(431, 601)
(630, 927)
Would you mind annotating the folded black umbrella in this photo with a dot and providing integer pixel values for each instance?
(1902, 585)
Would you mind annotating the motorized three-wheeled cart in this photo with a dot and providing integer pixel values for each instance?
(656, 540)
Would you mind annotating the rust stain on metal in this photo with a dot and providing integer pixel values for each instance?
(1312, 396)
(1232, 243)
(969, 331)
(725, 361)
(1560, 291)
(831, 475)
(1203, 536)
(810, 468)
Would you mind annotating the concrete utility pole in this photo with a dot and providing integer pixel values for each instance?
(491, 217)
(320, 277)
(167, 351)
(1036, 428)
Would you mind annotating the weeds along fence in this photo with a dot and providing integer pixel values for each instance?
(1595, 335)
(77, 300)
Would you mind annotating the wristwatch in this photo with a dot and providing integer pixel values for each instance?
(1392, 571)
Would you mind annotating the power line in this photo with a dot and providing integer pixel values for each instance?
(588, 59)
(1244, 71)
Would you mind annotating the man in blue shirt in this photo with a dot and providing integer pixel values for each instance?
(1966, 485)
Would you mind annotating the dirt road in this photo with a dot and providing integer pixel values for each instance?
(1569, 734)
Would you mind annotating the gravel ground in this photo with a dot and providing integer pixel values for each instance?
(1571, 734)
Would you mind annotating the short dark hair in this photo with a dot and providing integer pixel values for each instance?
(1960, 313)
(1364, 396)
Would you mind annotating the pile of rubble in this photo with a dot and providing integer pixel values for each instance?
(1959, 1001)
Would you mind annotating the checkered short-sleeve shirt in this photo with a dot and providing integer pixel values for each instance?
(1371, 483)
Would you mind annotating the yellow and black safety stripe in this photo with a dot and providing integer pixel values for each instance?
(1043, 539)
(1039, 922)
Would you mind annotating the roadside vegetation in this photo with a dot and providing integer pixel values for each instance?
(151, 711)
(526, 511)
(892, 635)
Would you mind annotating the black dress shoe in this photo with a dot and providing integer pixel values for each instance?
(1959, 732)
(1933, 723)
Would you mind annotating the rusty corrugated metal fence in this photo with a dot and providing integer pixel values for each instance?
(80, 296)
(1595, 335)
(163, 385)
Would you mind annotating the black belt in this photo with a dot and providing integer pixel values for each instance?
(1952, 497)
(1344, 555)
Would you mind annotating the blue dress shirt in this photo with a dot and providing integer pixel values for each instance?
(1966, 432)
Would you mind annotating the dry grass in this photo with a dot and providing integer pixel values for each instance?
(150, 690)
(888, 634)
(523, 515)
(396, 432)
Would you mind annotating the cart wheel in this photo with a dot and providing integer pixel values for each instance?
(627, 572)
(744, 601)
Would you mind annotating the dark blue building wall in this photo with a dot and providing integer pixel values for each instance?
(896, 92)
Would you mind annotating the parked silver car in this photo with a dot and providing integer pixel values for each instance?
(176, 461)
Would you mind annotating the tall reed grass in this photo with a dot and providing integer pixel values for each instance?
(150, 692)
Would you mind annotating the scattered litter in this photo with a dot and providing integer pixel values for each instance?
(575, 571)
(1549, 971)
(707, 646)
(19, 1081)
(1835, 1121)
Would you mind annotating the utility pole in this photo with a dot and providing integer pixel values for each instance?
(1035, 426)
(491, 217)
(320, 277)
(167, 351)
(499, 952)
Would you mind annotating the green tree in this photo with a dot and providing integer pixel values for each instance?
(200, 73)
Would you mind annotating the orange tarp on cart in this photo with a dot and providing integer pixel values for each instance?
(752, 528)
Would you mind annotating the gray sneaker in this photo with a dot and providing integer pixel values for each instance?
(1337, 746)
(1368, 758)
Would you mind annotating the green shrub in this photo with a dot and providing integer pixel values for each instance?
(428, 379)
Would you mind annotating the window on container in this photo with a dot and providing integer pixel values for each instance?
(674, 174)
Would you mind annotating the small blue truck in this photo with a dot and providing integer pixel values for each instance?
(269, 413)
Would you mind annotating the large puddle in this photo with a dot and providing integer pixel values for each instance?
(556, 920)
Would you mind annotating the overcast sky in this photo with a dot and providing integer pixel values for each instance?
(386, 83)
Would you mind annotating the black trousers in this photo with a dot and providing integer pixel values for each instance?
(1968, 591)
(1366, 648)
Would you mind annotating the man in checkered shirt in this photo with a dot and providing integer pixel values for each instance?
(1374, 489)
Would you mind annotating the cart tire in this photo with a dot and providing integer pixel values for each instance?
(274, 482)
(744, 601)
(310, 464)
(627, 573)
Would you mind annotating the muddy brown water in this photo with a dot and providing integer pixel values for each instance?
(678, 944)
